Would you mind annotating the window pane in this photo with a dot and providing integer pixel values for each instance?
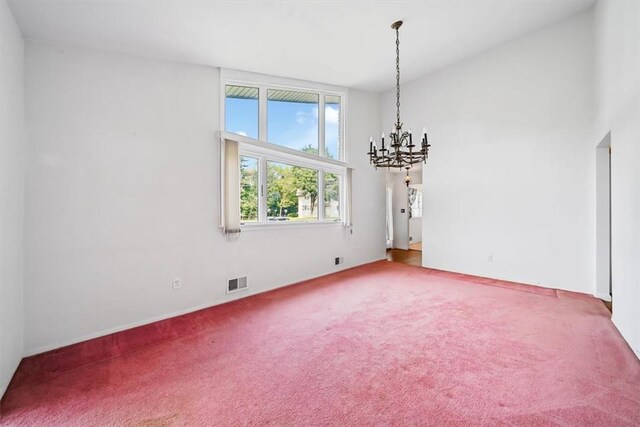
(241, 110)
(331, 196)
(416, 206)
(332, 126)
(292, 119)
(292, 193)
(248, 189)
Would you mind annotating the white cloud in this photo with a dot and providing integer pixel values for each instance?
(332, 115)
(242, 133)
(301, 117)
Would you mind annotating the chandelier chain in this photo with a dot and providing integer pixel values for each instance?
(397, 78)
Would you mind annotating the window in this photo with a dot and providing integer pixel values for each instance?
(292, 119)
(248, 189)
(277, 189)
(332, 126)
(331, 197)
(292, 193)
(291, 151)
(242, 110)
(300, 119)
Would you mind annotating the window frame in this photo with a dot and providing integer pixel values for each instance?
(265, 151)
(263, 84)
(265, 155)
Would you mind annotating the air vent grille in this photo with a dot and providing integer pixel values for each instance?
(237, 284)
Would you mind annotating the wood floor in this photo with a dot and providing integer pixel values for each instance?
(405, 257)
(416, 246)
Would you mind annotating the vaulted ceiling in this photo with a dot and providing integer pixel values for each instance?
(346, 43)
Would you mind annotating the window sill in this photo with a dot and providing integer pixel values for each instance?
(279, 225)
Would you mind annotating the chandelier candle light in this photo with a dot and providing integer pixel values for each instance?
(400, 152)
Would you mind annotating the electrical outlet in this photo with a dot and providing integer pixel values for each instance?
(338, 260)
(490, 259)
(176, 284)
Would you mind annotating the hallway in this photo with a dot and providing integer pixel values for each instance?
(410, 257)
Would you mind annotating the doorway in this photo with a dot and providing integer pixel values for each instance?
(404, 217)
(604, 288)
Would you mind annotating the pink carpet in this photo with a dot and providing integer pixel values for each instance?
(383, 344)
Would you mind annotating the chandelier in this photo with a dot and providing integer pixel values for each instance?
(400, 152)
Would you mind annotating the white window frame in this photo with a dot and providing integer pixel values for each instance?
(264, 151)
(265, 156)
(264, 83)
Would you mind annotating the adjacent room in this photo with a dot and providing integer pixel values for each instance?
(319, 212)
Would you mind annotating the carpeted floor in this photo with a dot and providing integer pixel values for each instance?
(381, 344)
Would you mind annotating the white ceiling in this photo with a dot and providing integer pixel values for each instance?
(346, 43)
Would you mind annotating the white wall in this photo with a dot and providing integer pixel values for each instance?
(617, 38)
(12, 146)
(603, 219)
(415, 223)
(400, 219)
(415, 230)
(511, 168)
(122, 196)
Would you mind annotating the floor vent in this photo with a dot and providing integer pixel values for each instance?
(238, 284)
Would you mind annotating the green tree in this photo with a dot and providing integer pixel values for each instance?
(331, 187)
(312, 150)
(248, 189)
(282, 190)
(306, 180)
(285, 183)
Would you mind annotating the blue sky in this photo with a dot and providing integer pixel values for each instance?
(290, 124)
(241, 116)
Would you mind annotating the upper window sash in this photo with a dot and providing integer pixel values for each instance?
(266, 83)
